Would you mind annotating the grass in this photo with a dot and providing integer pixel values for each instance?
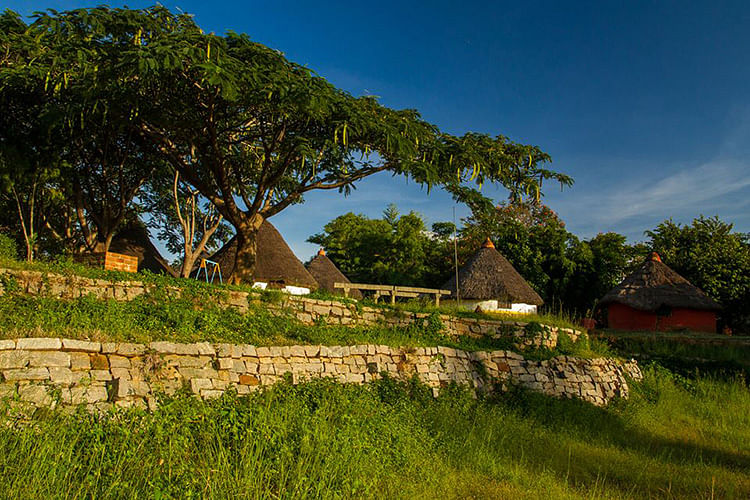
(685, 352)
(191, 317)
(673, 439)
(68, 267)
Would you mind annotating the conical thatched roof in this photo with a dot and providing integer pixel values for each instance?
(134, 240)
(655, 285)
(326, 274)
(276, 262)
(489, 276)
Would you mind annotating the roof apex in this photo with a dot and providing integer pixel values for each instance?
(488, 243)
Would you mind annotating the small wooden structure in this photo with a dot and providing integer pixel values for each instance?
(110, 261)
(392, 291)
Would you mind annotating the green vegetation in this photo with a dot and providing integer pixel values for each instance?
(193, 317)
(688, 353)
(672, 439)
(100, 103)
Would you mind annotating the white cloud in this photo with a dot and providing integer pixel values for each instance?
(710, 188)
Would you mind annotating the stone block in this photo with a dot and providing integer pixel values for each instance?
(205, 349)
(249, 380)
(81, 345)
(130, 350)
(99, 362)
(7, 345)
(88, 395)
(27, 374)
(249, 350)
(267, 369)
(61, 375)
(7, 390)
(200, 373)
(39, 344)
(116, 361)
(35, 394)
(211, 393)
(174, 348)
(109, 347)
(120, 388)
(14, 359)
(101, 375)
(49, 358)
(80, 361)
(123, 373)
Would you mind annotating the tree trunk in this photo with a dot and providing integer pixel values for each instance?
(188, 260)
(247, 251)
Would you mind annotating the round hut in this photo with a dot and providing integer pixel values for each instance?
(276, 265)
(489, 282)
(134, 240)
(656, 298)
(326, 274)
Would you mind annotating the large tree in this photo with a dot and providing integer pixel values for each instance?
(250, 130)
(395, 249)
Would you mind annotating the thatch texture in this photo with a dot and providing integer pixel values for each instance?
(135, 241)
(326, 274)
(655, 285)
(276, 262)
(489, 276)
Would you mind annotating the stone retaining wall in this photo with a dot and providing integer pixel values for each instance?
(307, 310)
(53, 371)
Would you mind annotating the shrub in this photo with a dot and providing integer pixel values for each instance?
(7, 247)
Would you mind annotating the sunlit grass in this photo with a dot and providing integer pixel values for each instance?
(674, 439)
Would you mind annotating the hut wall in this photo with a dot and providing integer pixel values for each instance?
(292, 290)
(622, 317)
(494, 305)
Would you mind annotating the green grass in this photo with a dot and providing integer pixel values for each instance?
(67, 267)
(191, 317)
(685, 352)
(672, 439)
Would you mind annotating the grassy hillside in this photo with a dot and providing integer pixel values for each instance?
(673, 439)
(193, 317)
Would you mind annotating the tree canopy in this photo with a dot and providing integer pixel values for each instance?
(139, 91)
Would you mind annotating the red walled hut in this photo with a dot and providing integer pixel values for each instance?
(656, 298)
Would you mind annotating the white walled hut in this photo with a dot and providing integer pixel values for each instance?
(488, 281)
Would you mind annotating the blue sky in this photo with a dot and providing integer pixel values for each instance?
(645, 104)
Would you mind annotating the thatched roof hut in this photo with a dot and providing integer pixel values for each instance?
(326, 274)
(134, 240)
(489, 276)
(276, 264)
(655, 285)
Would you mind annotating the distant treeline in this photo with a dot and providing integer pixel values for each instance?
(570, 273)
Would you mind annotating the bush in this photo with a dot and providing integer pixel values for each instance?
(7, 247)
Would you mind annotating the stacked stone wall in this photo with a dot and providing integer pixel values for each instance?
(309, 311)
(53, 371)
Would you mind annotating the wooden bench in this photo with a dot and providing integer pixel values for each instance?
(392, 290)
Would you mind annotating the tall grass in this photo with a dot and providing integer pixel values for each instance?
(673, 439)
(688, 354)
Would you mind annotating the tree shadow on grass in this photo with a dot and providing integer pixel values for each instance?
(606, 427)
